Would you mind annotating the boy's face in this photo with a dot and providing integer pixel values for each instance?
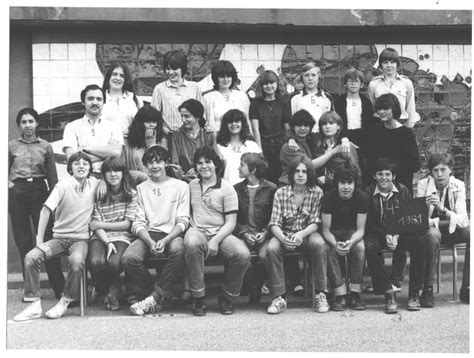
(302, 130)
(156, 169)
(441, 174)
(205, 168)
(389, 67)
(353, 85)
(93, 103)
(301, 174)
(80, 169)
(244, 171)
(384, 180)
(345, 189)
(28, 125)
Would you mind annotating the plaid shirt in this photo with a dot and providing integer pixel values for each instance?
(291, 219)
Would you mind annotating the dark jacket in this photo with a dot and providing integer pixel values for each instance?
(368, 120)
(263, 206)
(373, 224)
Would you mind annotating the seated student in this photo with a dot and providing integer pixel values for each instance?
(382, 195)
(294, 223)
(72, 201)
(255, 208)
(343, 218)
(214, 207)
(111, 221)
(162, 218)
(449, 222)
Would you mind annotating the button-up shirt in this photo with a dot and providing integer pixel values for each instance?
(315, 104)
(291, 219)
(32, 160)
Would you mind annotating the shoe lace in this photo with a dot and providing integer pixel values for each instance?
(148, 304)
(320, 299)
(279, 303)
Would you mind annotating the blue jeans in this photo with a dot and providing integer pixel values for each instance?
(233, 250)
(140, 282)
(76, 249)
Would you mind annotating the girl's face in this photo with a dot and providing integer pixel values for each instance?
(117, 79)
(385, 114)
(189, 121)
(389, 68)
(224, 82)
(80, 169)
(302, 130)
(301, 174)
(244, 171)
(235, 127)
(269, 88)
(28, 125)
(114, 178)
(330, 128)
(150, 125)
(311, 78)
(174, 75)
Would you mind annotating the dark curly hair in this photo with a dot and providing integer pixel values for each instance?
(136, 130)
(233, 115)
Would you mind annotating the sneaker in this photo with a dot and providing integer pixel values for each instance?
(265, 290)
(339, 303)
(414, 302)
(427, 298)
(148, 305)
(298, 290)
(390, 303)
(356, 302)
(33, 311)
(396, 288)
(225, 305)
(199, 306)
(464, 294)
(59, 309)
(278, 305)
(111, 302)
(321, 303)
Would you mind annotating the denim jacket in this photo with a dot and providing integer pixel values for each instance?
(263, 205)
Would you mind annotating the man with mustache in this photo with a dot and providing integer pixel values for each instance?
(98, 137)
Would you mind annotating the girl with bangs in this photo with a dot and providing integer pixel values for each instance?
(225, 95)
(111, 221)
(328, 150)
(269, 115)
(233, 140)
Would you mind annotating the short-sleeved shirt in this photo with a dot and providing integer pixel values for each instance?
(216, 105)
(271, 116)
(232, 154)
(209, 208)
(116, 210)
(72, 204)
(344, 212)
(121, 110)
(316, 105)
(81, 132)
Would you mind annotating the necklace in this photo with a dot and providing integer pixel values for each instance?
(270, 106)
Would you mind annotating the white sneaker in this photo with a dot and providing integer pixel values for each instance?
(59, 309)
(33, 311)
(396, 288)
(321, 303)
(147, 305)
(278, 305)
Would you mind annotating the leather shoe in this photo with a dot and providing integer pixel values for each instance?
(225, 306)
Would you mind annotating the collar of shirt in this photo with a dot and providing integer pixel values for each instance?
(290, 191)
(169, 84)
(87, 120)
(109, 98)
(377, 191)
(319, 93)
(217, 185)
(78, 187)
(23, 140)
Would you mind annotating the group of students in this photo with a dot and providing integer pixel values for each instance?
(191, 177)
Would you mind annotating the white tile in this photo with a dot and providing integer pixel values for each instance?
(455, 67)
(246, 83)
(42, 103)
(440, 52)
(59, 86)
(59, 51)
(59, 69)
(441, 68)
(249, 52)
(467, 69)
(42, 86)
(77, 69)
(76, 85)
(232, 52)
(279, 50)
(76, 51)
(456, 52)
(396, 47)
(92, 69)
(41, 69)
(426, 51)
(40, 51)
(409, 51)
(90, 51)
(249, 68)
(269, 65)
(467, 52)
(61, 100)
(265, 52)
(426, 65)
(72, 98)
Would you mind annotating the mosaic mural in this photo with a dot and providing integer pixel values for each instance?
(441, 75)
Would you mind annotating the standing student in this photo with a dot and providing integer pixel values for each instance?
(30, 163)
(72, 202)
(391, 82)
(269, 114)
(255, 208)
(168, 95)
(449, 221)
(111, 221)
(312, 98)
(161, 220)
(343, 219)
(234, 139)
(214, 207)
(225, 95)
(120, 103)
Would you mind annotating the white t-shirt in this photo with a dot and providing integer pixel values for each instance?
(121, 110)
(354, 113)
(231, 156)
(216, 105)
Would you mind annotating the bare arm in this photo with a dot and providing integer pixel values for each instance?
(42, 224)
